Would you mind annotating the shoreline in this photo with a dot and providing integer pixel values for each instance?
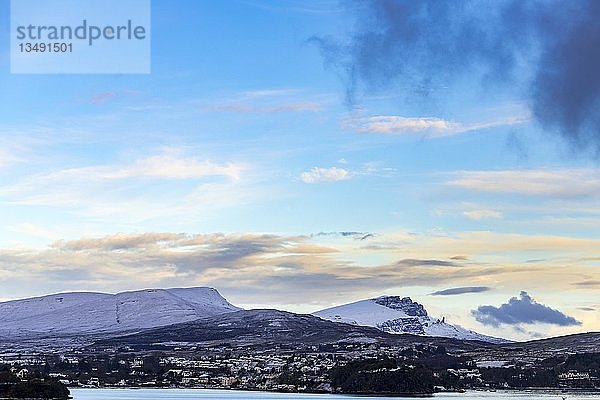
(382, 394)
(531, 389)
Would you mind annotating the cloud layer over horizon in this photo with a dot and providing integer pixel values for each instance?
(351, 265)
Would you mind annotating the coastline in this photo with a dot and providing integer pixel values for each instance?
(200, 393)
(470, 390)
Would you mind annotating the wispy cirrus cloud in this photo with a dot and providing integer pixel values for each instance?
(436, 127)
(398, 125)
(14, 148)
(296, 6)
(482, 214)
(169, 164)
(351, 234)
(270, 101)
(7, 158)
(305, 106)
(556, 182)
(320, 175)
(164, 166)
(34, 230)
(101, 98)
(111, 95)
(190, 185)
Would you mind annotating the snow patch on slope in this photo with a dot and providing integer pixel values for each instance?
(92, 313)
(364, 312)
(393, 314)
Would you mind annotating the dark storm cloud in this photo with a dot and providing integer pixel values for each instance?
(547, 50)
(419, 43)
(523, 310)
(461, 290)
(566, 93)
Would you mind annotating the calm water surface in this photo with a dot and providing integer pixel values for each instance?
(204, 394)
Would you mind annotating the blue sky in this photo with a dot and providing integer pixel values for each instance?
(256, 159)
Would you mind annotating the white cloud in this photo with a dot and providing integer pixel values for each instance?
(481, 214)
(324, 268)
(34, 230)
(181, 185)
(258, 93)
(396, 125)
(169, 165)
(7, 157)
(308, 106)
(563, 183)
(271, 101)
(318, 175)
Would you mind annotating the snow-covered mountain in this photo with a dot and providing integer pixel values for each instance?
(81, 313)
(395, 314)
(100, 313)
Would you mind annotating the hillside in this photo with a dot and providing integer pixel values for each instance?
(394, 314)
(71, 314)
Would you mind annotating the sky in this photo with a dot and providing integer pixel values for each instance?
(299, 155)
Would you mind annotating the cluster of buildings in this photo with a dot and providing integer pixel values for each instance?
(277, 369)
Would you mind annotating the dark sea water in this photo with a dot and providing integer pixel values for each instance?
(205, 394)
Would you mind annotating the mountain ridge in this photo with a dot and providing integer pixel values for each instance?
(81, 314)
(267, 328)
(94, 313)
(395, 314)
